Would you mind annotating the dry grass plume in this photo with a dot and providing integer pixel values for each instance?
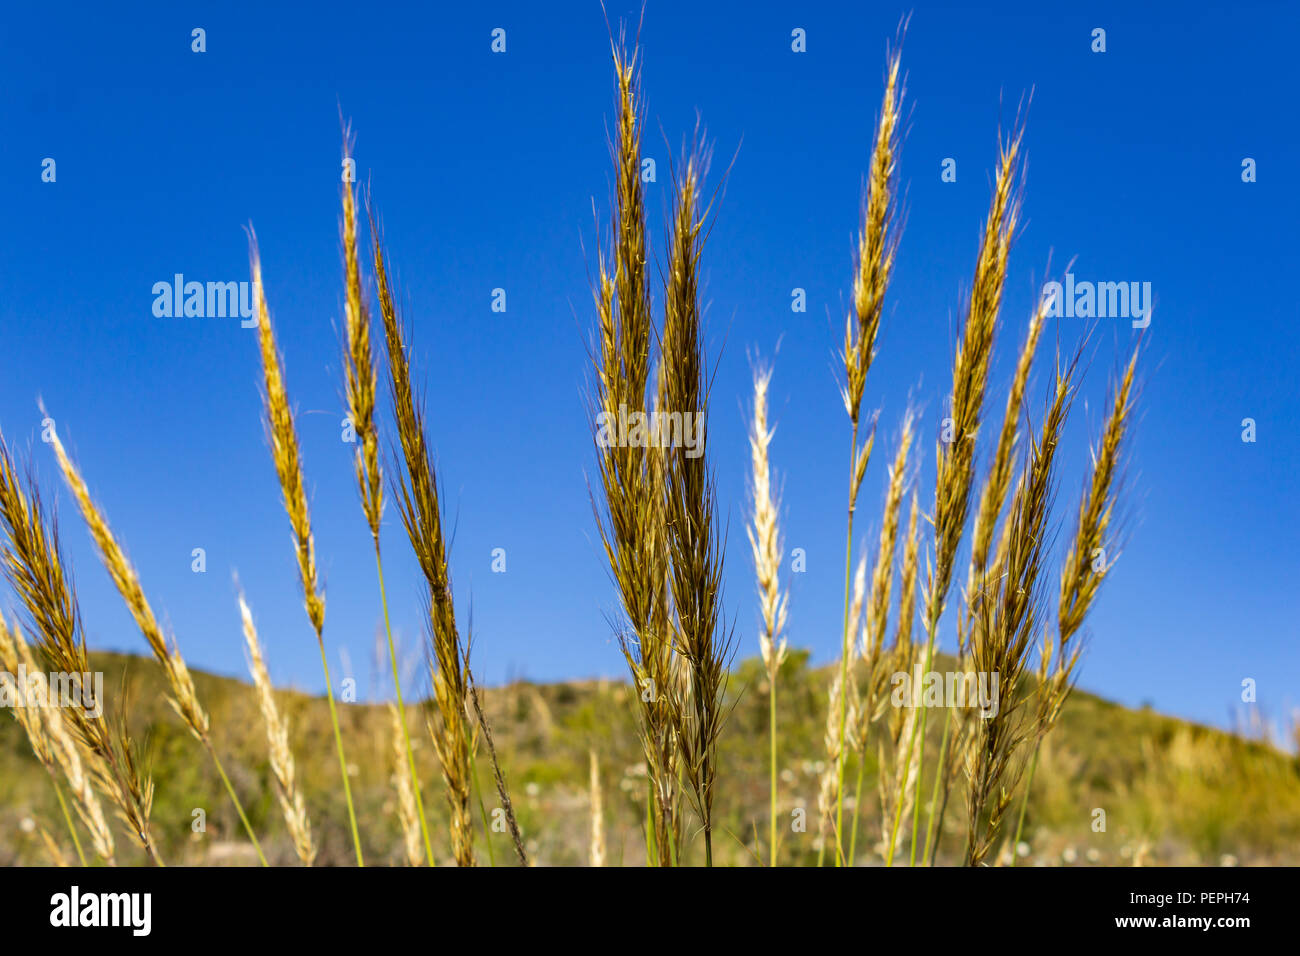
(292, 805)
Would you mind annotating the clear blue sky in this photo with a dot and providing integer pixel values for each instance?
(485, 168)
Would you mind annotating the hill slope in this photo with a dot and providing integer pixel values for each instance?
(1172, 792)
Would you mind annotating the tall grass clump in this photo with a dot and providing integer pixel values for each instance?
(657, 512)
(658, 525)
(633, 480)
(34, 567)
(288, 468)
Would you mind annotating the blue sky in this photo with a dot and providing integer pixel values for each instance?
(485, 167)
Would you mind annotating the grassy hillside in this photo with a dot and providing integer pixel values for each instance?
(1172, 792)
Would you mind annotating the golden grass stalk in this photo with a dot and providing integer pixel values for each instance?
(597, 854)
(877, 244)
(418, 502)
(54, 747)
(359, 370)
(183, 699)
(634, 322)
(292, 805)
(696, 564)
(360, 381)
(765, 533)
(1003, 629)
(1086, 566)
(955, 452)
(633, 479)
(765, 543)
(402, 780)
(288, 468)
(33, 563)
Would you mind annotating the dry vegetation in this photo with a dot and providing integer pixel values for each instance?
(681, 765)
